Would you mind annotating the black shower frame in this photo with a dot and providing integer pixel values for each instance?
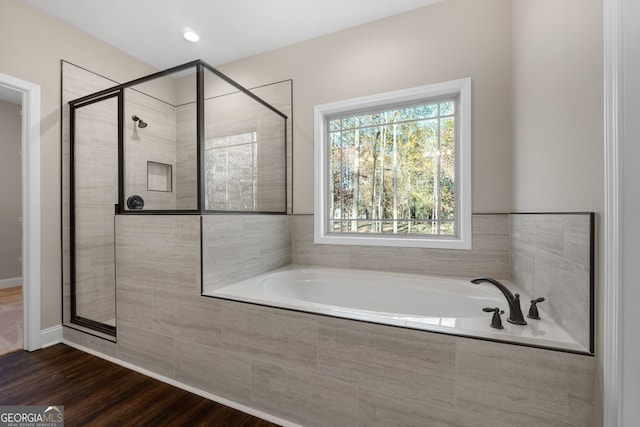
(80, 320)
(200, 67)
(118, 92)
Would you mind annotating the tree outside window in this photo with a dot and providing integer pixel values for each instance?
(393, 171)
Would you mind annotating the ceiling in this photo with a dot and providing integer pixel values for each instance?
(151, 30)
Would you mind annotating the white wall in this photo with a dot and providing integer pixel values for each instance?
(35, 57)
(10, 191)
(445, 41)
(537, 77)
(557, 105)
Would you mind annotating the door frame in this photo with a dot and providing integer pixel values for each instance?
(31, 232)
(621, 379)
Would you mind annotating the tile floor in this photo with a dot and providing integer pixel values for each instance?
(11, 320)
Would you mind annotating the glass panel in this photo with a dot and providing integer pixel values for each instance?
(447, 108)
(160, 128)
(229, 175)
(245, 158)
(394, 171)
(244, 163)
(335, 168)
(447, 173)
(95, 195)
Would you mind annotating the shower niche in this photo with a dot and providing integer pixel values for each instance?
(188, 140)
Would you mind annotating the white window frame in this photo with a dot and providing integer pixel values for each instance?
(461, 90)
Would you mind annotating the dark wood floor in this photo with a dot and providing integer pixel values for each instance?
(95, 392)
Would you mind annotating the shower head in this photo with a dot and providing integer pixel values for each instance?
(141, 123)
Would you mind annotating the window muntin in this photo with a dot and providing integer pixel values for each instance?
(393, 171)
(427, 187)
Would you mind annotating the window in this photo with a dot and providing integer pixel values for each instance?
(394, 169)
(231, 172)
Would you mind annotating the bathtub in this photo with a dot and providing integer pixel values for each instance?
(436, 304)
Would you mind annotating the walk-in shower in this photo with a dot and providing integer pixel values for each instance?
(188, 140)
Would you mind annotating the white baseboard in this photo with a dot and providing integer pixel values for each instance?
(51, 336)
(10, 283)
(191, 389)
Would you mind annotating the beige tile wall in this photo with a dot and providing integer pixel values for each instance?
(236, 114)
(236, 247)
(155, 143)
(524, 386)
(280, 96)
(488, 257)
(319, 371)
(548, 255)
(96, 169)
(186, 171)
(223, 117)
(159, 251)
(551, 258)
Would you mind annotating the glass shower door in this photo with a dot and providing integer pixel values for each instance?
(94, 182)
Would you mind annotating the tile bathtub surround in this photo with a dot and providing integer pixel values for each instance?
(488, 257)
(551, 258)
(397, 361)
(548, 255)
(524, 386)
(213, 370)
(315, 370)
(277, 336)
(192, 318)
(366, 374)
(237, 247)
(304, 397)
(384, 410)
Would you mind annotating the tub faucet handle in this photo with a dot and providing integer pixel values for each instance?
(496, 321)
(533, 310)
(515, 312)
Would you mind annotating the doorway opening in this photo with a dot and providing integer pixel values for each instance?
(11, 305)
(29, 94)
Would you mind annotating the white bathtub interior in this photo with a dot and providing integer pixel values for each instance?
(437, 304)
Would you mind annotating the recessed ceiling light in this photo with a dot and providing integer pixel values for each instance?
(191, 36)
